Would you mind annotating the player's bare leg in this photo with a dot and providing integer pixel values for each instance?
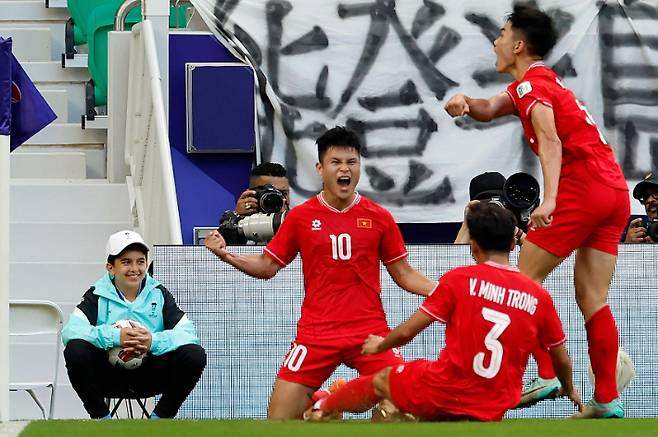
(593, 274)
(288, 400)
(537, 263)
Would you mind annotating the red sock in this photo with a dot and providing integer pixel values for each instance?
(356, 396)
(544, 363)
(603, 341)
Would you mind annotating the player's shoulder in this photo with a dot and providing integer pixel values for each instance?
(368, 205)
(537, 78)
(303, 208)
(458, 273)
(526, 283)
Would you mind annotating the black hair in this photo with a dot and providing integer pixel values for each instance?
(269, 169)
(337, 137)
(491, 226)
(134, 246)
(537, 28)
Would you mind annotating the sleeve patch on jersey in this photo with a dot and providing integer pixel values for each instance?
(523, 89)
(364, 223)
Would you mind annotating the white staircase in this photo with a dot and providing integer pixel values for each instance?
(62, 207)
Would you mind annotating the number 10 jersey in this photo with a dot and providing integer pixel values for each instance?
(340, 252)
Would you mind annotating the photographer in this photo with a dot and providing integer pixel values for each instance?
(263, 174)
(260, 209)
(488, 187)
(640, 230)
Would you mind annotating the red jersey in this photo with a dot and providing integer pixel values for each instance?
(495, 316)
(581, 138)
(340, 253)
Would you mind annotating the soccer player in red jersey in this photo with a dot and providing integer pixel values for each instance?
(586, 202)
(342, 237)
(495, 317)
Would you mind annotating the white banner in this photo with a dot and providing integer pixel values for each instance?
(384, 68)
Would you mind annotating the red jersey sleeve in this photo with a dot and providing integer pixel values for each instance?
(551, 333)
(392, 247)
(440, 303)
(283, 248)
(526, 94)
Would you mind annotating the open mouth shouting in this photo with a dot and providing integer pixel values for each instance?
(344, 181)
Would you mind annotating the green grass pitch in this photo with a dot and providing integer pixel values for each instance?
(261, 428)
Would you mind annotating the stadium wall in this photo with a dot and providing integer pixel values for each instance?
(246, 325)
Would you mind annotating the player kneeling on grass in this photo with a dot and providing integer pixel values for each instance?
(495, 317)
(130, 310)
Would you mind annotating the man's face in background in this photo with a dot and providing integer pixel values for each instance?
(651, 202)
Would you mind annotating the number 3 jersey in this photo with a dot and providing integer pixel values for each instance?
(495, 316)
(340, 252)
(582, 142)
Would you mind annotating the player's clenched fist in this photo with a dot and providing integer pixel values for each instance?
(216, 244)
(457, 105)
(371, 345)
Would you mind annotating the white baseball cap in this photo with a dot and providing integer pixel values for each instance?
(122, 239)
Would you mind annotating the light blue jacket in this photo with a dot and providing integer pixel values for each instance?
(154, 307)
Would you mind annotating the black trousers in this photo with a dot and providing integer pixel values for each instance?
(173, 375)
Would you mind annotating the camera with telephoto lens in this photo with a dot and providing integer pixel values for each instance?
(651, 228)
(259, 227)
(269, 200)
(520, 195)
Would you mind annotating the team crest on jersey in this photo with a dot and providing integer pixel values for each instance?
(364, 223)
(316, 225)
(523, 89)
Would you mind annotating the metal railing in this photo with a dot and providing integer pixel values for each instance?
(147, 151)
(129, 5)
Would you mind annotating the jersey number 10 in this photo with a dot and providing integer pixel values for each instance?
(341, 246)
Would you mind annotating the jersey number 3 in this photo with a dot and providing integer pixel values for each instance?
(501, 321)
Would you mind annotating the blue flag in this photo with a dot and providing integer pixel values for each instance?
(29, 110)
(5, 86)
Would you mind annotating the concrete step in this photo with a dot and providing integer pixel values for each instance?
(66, 201)
(66, 282)
(68, 134)
(57, 46)
(29, 43)
(52, 165)
(52, 72)
(75, 99)
(59, 102)
(30, 10)
(64, 242)
(95, 156)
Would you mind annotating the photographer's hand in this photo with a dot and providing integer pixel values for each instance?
(247, 203)
(215, 243)
(636, 232)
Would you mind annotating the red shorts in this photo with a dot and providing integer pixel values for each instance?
(588, 213)
(411, 394)
(311, 361)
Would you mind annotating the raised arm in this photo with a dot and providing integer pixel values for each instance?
(550, 157)
(480, 109)
(409, 278)
(259, 266)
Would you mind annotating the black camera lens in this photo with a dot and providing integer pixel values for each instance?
(270, 200)
(521, 191)
(271, 203)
